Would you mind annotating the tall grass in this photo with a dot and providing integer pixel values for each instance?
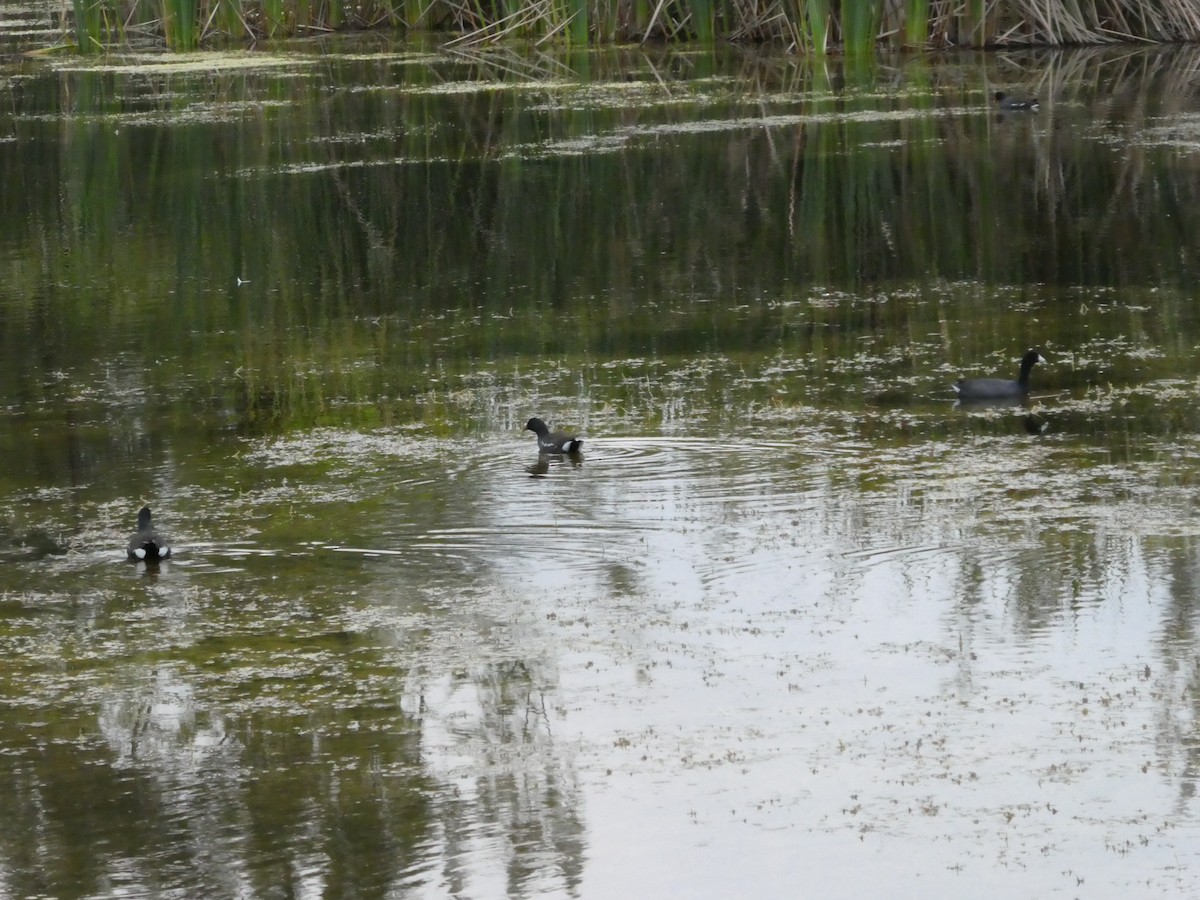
(815, 28)
(181, 30)
(860, 26)
(702, 20)
(854, 27)
(577, 11)
(976, 19)
(89, 25)
(916, 23)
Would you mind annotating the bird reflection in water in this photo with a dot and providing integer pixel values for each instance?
(545, 461)
(1034, 423)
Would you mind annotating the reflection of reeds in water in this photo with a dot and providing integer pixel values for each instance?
(855, 26)
(856, 216)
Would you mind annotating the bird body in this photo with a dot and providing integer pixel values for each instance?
(553, 441)
(999, 388)
(147, 545)
(1004, 101)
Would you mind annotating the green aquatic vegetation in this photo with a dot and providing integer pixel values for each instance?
(815, 32)
(577, 29)
(703, 23)
(273, 12)
(916, 23)
(91, 24)
(860, 27)
(815, 26)
(181, 28)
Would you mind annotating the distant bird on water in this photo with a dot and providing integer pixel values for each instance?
(1004, 101)
(147, 545)
(999, 388)
(553, 441)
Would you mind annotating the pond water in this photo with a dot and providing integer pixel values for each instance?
(793, 624)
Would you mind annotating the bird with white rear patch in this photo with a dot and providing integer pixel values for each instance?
(1016, 104)
(147, 545)
(553, 441)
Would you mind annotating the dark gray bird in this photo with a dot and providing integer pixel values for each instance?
(147, 545)
(553, 441)
(1004, 101)
(999, 388)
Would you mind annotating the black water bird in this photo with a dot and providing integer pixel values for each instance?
(1016, 104)
(999, 388)
(147, 545)
(553, 441)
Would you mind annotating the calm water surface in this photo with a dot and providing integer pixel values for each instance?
(793, 625)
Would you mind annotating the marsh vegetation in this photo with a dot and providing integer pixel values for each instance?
(813, 27)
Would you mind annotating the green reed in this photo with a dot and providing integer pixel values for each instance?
(89, 25)
(180, 25)
(916, 23)
(603, 23)
(702, 20)
(976, 16)
(642, 10)
(817, 27)
(415, 14)
(228, 21)
(577, 16)
(274, 18)
(860, 25)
